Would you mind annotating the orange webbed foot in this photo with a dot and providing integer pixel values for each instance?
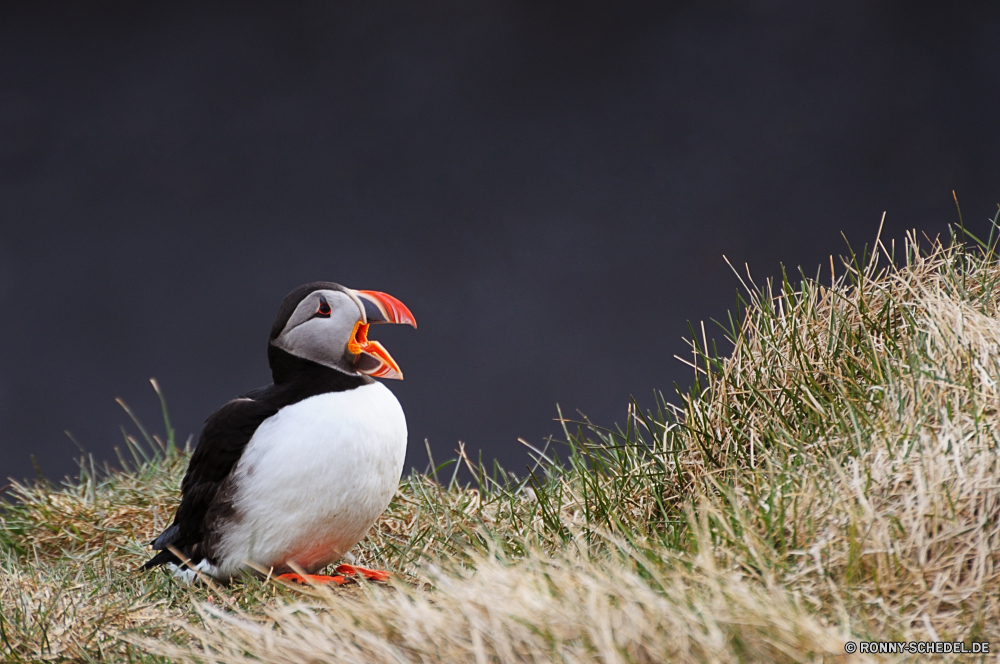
(312, 579)
(370, 574)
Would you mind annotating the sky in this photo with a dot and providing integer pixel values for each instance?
(550, 187)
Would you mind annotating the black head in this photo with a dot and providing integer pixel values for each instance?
(326, 323)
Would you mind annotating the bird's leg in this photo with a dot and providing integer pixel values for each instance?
(370, 574)
(313, 579)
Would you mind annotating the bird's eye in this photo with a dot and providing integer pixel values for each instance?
(324, 308)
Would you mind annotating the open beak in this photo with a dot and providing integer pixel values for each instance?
(373, 358)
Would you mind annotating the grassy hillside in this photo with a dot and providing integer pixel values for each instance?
(832, 475)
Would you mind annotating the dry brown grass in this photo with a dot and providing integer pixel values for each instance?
(540, 608)
(892, 500)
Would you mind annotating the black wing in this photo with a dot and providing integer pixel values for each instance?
(227, 432)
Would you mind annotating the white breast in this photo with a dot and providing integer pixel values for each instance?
(314, 478)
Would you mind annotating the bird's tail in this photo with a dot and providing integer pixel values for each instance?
(162, 558)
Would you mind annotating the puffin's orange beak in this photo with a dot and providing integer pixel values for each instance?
(384, 308)
(373, 358)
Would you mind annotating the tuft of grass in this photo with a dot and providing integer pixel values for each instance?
(834, 476)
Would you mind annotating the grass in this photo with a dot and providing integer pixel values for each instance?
(834, 476)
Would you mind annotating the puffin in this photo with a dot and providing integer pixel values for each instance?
(289, 477)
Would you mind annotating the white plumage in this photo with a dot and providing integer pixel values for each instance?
(313, 479)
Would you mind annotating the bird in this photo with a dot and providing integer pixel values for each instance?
(289, 477)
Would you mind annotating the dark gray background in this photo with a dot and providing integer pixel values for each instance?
(549, 186)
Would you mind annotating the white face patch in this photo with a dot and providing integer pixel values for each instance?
(322, 339)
